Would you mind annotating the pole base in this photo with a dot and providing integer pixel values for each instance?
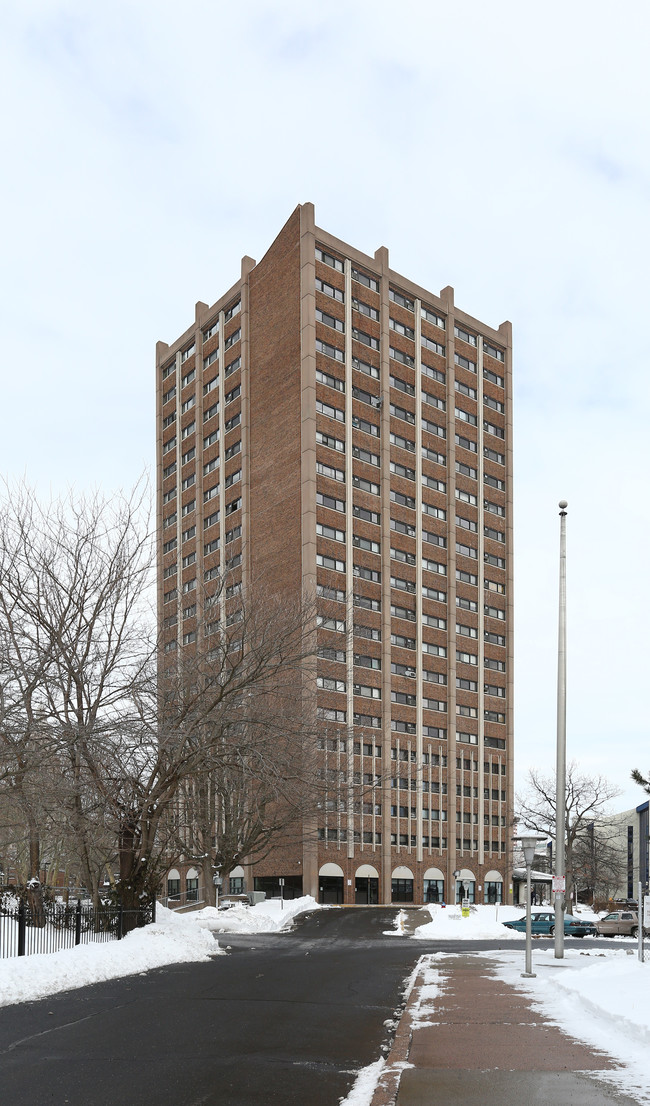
(529, 975)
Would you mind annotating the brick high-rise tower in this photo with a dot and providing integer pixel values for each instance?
(352, 432)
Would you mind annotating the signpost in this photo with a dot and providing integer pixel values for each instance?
(281, 882)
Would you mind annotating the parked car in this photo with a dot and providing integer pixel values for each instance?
(620, 923)
(543, 925)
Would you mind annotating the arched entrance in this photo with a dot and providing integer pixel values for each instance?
(366, 886)
(330, 884)
(465, 885)
(401, 887)
(434, 885)
(192, 885)
(493, 887)
(174, 885)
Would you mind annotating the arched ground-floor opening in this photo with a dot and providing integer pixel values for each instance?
(434, 885)
(493, 887)
(366, 886)
(465, 885)
(401, 885)
(330, 884)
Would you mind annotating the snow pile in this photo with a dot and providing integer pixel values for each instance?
(268, 916)
(171, 940)
(601, 998)
(484, 924)
(400, 924)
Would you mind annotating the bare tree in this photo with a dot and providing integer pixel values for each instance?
(586, 802)
(146, 749)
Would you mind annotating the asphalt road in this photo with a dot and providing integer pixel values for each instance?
(283, 1018)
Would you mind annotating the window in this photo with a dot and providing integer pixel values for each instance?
(403, 301)
(466, 550)
(403, 612)
(231, 368)
(498, 562)
(189, 533)
(329, 320)
(403, 443)
(400, 555)
(329, 351)
(169, 444)
(435, 347)
(189, 455)
(437, 512)
(361, 424)
(330, 532)
(330, 290)
(496, 666)
(496, 535)
(465, 416)
(495, 612)
(365, 309)
(170, 470)
(331, 412)
(401, 328)
(434, 650)
(365, 339)
(364, 367)
(434, 401)
(465, 389)
(402, 413)
(497, 431)
(364, 661)
(493, 352)
(440, 597)
(365, 485)
(168, 370)
(433, 428)
(465, 443)
(495, 690)
(493, 403)
(466, 604)
(466, 631)
(466, 577)
(234, 337)
(365, 514)
(466, 658)
(169, 420)
(434, 539)
(331, 443)
(233, 506)
(330, 471)
(366, 543)
(403, 500)
(330, 562)
(367, 573)
(329, 501)
(401, 584)
(493, 585)
(466, 497)
(328, 259)
(465, 335)
(402, 642)
(431, 455)
(365, 455)
(210, 493)
(188, 378)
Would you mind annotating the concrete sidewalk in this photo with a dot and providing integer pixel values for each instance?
(466, 1038)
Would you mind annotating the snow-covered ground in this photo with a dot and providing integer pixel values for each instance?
(174, 939)
(599, 996)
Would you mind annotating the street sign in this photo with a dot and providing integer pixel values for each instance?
(465, 908)
(646, 910)
(558, 883)
(281, 881)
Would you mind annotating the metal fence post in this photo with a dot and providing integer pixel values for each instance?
(77, 923)
(21, 928)
(120, 922)
(153, 907)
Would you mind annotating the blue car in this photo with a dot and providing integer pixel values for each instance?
(543, 925)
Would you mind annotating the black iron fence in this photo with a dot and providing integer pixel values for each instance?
(56, 925)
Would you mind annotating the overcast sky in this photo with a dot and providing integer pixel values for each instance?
(494, 147)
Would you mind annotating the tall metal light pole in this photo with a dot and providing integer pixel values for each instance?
(560, 773)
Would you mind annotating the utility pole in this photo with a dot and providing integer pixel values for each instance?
(560, 774)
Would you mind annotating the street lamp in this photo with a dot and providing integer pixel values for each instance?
(529, 843)
(560, 773)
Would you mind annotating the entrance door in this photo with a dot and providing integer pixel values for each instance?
(330, 889)
(366, 891)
